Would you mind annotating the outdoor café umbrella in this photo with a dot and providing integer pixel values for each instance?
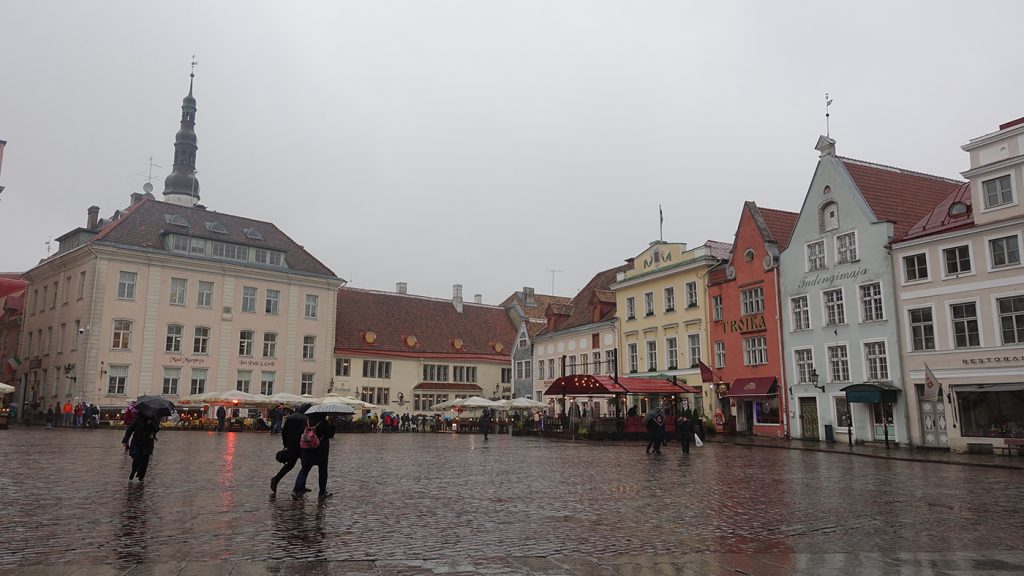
(477, 402)
(526, 404)
(331, 408)
(353, 402)
(5, 388)
(235, 396)
(154, 406)
(288, 398)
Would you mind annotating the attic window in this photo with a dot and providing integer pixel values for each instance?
(827, 190)
(828, 218)
(216, 227)
(748, 256)
(253, 233)
(177, 220)
(958, 210)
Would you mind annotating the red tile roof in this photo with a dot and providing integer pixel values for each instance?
(485, 332)
(780, 225)
(541, 302)
(899, 196)
(580, 310)
(939, 220)
(11, 283)
(718, 249)
(144, 225)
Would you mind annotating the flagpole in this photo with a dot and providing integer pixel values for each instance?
(661, 224)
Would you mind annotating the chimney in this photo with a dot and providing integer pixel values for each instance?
(478, 298)
(457, 297)
(94, 217)
(528, 296)
(401, 288)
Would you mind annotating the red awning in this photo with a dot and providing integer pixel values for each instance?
(749, 387)
(588, 384)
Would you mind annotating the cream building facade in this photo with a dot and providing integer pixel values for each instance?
(661, 308)
(960, 288)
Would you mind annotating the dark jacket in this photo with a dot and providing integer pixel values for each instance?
(142, 433)
(684, 428)
(325, 431)
(291, 431)
(221, 413)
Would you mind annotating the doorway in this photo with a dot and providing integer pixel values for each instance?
(809, 418)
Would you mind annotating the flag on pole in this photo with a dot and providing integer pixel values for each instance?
(707, 374)
(14, 361)
(931, 385)
(661, 215)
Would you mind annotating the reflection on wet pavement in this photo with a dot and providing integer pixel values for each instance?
(448, 498)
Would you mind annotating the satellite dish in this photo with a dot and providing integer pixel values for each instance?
(147, 187)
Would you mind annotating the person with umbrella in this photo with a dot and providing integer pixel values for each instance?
(140, 437)
(485, 421)
(655, 422)
(291, 433)
(685, 429)
(315, 444)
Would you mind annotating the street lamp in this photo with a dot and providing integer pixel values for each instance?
(814, 380)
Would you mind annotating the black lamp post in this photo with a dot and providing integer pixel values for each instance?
(814, 380)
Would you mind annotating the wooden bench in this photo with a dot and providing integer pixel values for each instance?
(1011, 444)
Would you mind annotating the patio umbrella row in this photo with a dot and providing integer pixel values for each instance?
(232, 396)
(478, 402)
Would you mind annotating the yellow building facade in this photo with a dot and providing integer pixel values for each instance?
(662, 311)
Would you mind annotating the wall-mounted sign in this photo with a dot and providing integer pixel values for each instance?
(187, 360)
(829, 279)
(994, 360)
(257, 363)
(746, 324)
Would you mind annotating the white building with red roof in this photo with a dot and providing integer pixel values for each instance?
(960, 291)
(840, 328)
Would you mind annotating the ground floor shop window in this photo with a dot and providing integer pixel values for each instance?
(842, 412)
(882, 416)
(766, 411)
(994, 414)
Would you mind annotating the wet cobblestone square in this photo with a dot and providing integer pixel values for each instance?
(445, 499)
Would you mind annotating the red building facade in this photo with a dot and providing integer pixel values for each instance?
(746, 326)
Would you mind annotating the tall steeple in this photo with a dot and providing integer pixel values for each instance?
(182, 186)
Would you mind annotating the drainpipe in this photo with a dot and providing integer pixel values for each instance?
(782, 357)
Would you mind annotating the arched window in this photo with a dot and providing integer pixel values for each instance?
(828, 218)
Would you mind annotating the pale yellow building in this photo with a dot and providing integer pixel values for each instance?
(662, 312)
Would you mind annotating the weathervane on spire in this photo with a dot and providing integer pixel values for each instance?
(194, 62)
(828, 102)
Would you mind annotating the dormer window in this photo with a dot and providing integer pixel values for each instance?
(253, 233)
(998, 191)
(177, 220)
(829, 217)
(216, 227)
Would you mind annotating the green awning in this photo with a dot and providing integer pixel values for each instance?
(871, 393)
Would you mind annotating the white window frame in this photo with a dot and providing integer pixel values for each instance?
(246, 345)
(171, 381)
(309, 347)
(808, 262)
(649, 304)
(634, 360)
(204, 298)
(866, 360)
(269, 345)
(720, 356)
(306, 384)
(803, 376)
(998, 318)
(880, 299)
(243, 380)
(652, 355)
(690, 347)
(178, 292)
(854, 248)
(927, 268)
(984, 194)
(671, 353)
(909, 328)
(197, 380)
(670, 299)
(990, 259)
(977, 318)
(127, 282)
(825, 307)
(717, 308)
(828, 361)
(970, 256)
(752, 301)
(806, 312)
(755, 351)
(124, 342)
(172, 343)
(312, 306)
(692, 295)
(630, 308)
(117, 380)
(249, 300)
(272, 304)
(201, 340)
(267, 380)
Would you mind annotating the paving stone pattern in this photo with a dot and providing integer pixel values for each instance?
(455, 504)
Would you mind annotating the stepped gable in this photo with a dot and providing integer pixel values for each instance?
(485, 331)
(900, 196)
(940, 219)
(144, 225)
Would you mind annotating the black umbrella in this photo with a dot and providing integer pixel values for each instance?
(652, 414)
(154, 406)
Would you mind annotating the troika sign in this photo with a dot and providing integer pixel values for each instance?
(746, 324)
(829, 279)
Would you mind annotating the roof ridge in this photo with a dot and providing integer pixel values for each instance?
(419, 296)
(762, 208)
(898, 169)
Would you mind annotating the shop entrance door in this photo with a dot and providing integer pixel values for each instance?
(933, 423)
(809, 418)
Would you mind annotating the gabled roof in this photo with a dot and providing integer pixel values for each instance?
(436, 328)
(541, 301)
(146, 223)
(940, 220)
(11, 283)
(780, 224)
(580, 312)
(718, 249)
(896, 195)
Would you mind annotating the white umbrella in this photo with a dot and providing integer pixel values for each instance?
(526, 403)
(229, 396)
(331, 408)
(448, 404)
(6, 388)
(197, 398)
(354, 402)
(287, 398)
(477, 402)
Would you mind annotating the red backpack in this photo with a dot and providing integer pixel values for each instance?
(309, 440)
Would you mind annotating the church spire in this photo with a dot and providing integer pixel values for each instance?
(181, 186)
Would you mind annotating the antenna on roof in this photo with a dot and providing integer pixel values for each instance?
(553, 272)
(47, 246)
(828, 102)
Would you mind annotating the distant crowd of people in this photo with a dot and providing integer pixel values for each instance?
(66, 415)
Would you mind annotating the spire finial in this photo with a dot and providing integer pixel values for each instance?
(828, 103)
(192, 74)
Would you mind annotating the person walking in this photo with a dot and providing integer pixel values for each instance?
(221, 415)
(655, 422)
(276, 415)
(685, 429)
(485, 421)
(314, 453)
(291, 433)
(140, 438)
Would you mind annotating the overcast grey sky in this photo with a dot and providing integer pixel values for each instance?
(484, 143)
